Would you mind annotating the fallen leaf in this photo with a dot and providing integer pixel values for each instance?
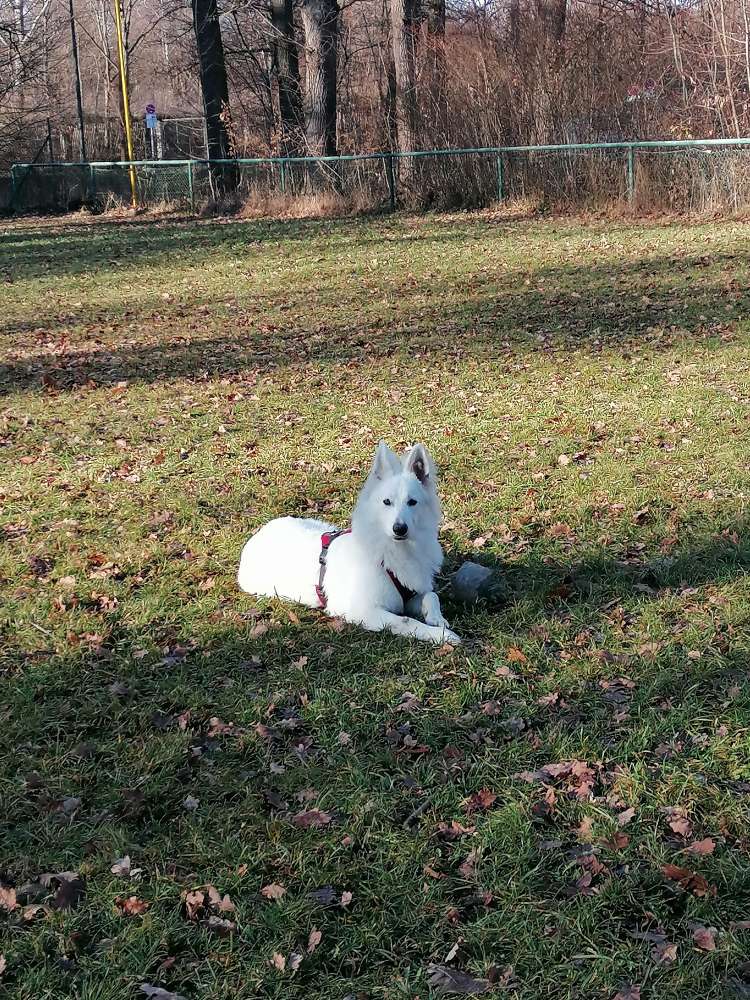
(664, 952)
(219, 926)
(514, 655)
(679, 823)
(691, 881)
(705, 846)
(480, 801)
(278, 961)
(584, 828)
(121, 866)
(295, 960)
(325, 896)
(346, 897)
(193, 903)
(313, 940)
(705, 938)
(273, 891)
(8, 899)
(157, 993)
(221, 903)
(218, 728)
(190, 803)
(617, 842)
(451, 981)
(311, 819)
(740, 925)
(132, 906)
(3, 965)
(625, 817)
(70, 889)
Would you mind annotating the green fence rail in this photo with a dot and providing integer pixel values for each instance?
(684, 175)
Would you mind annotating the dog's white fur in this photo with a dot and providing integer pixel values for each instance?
(281, 559)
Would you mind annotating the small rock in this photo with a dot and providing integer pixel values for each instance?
(469, 581)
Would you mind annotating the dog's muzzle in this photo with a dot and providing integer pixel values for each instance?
(400, 530)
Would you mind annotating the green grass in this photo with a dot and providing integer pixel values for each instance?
(166, 388)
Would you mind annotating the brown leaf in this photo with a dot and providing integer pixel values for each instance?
(689, 880)
(514, 655)
(311, 819)
(278, 961)
(8, 899)
(346, 897)
(480, 801)
(3, 965)
(446, 980)
(617, 842)
(679, 823)
(704, 938)
(132, 906)
(705, 846)
(664, 952)
(193, 903)
(273, 891)
(219, 926)
(221, 903)
(740, 925)
(218, 728)
(625, 817)
(584, 828)
(313, 940)
(70, 889)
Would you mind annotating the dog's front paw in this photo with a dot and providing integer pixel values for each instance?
(437, 620)
(451, 637)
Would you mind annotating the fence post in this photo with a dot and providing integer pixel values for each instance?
(500, 179)
(92, 183)
(191, 189)
(282, 176)
(631, 175)
(13, 189)
(391, 175)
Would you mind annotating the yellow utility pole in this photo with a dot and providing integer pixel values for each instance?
(125, 101)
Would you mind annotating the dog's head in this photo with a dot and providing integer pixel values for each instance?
(400, 494)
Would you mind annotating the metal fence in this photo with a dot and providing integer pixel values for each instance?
(677, 175)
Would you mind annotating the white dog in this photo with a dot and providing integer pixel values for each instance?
(380, 572)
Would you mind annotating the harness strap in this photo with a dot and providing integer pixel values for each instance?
(325, 543)
(326, 540)
(406, 594)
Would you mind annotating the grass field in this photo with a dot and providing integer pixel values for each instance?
(558, 808)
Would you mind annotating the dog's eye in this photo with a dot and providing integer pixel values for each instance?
(387, 502)
(411, 503)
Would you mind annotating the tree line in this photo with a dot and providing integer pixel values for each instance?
(321, 77)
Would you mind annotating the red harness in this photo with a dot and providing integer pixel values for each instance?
(326, 539)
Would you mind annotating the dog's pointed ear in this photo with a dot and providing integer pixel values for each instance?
(385, 463)
(418, 461)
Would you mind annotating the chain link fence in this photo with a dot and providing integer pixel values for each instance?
(678, 176)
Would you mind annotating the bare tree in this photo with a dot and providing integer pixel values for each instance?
(285, 61)
(213, 74)
(403, 42)
(320, 19)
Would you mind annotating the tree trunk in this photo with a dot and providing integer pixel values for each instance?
(213, 73)
(558, 17)
(320, 20)
(402, 40)
(435, 18)
(285, 67)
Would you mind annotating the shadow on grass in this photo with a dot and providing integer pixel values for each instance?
(602, 307)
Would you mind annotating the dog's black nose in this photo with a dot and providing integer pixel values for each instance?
(400, 529)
